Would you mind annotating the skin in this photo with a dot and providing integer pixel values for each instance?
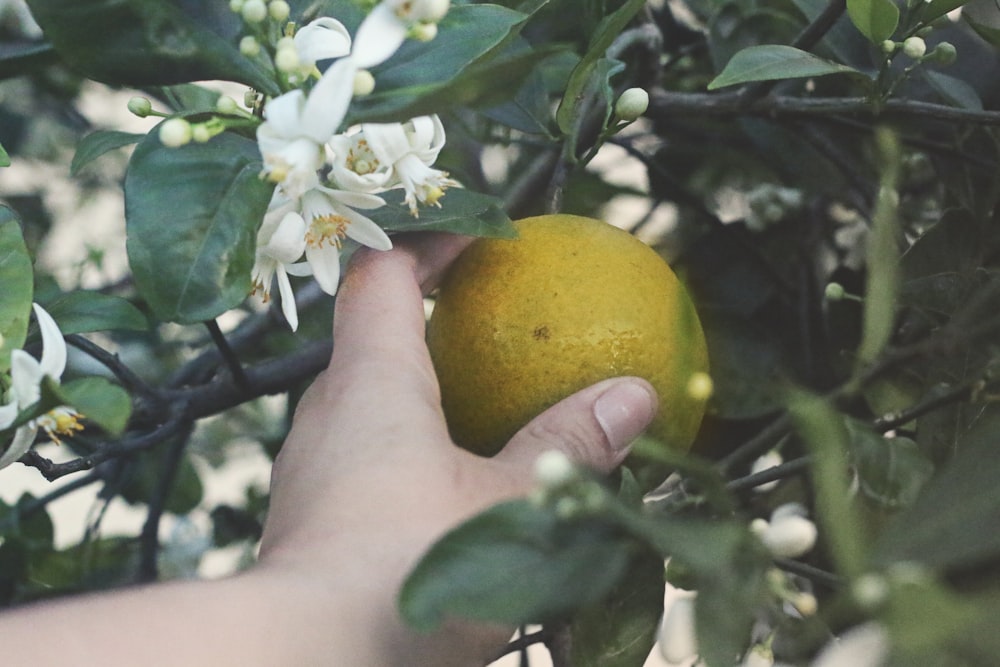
(366, 481)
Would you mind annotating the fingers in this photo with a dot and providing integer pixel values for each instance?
(593, 427)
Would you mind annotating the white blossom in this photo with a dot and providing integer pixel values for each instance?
(866, 645)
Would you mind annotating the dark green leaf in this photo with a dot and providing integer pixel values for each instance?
(474, 60)
(96, 144)
(927, 12)
(83, 311)
(953, 523)
(18, 58)
(775, 62)
(192, 215)
(150, 42)
(16, 295)
(514, 563)
(988, 32)
(462, 212)
(891, 471)
(576, 99)
(875, 19)
(100, 401)
(953, 91)
(4, 158)
(620, 630)
(882, 256)
(145, 478)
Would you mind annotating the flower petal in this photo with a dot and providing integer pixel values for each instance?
(321, 39)
(327, 103)
(8, 413)
(388, 141)
(288, 241)
(53, 361)
(360, 200)
(379, 36)
(283, 114)
(366, 232)
(288, 308)
(24, 437)
(25, 377)
(325, 262)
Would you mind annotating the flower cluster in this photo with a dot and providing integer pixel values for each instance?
(24, 391)
(324, 176)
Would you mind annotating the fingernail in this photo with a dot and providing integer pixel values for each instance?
(624, 411)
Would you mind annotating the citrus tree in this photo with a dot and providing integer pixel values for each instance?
(821, 174)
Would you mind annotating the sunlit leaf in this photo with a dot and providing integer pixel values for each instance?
(101, 402)
(83, 311)
(461, 212)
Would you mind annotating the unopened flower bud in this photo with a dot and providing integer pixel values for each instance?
(200, 133)
(787, 510)
(279, 10)
(870, 590)
(140, 106)
(700, 386)
(236, 5)
(862, 646)
(175, 132)
(834, 292)
(678, 641)
(287, 60)
(428, 11)
(423, 32)
(758, 656)
(553, 469)
(914, 47)
(805, 603)
(888, 47)
(253, 11)
(943, 54)
(249, 46)
(789, 537)
(766, 462)
(227, 105)
(632, 104)
(364, 83)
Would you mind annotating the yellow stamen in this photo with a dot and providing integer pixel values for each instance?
(328, 228)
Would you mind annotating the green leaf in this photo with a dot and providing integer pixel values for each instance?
(825, 434)
(145, 476)
(83, 311)
(575, 100)
(773, 62)
(514, 563)
(19, 58)
(953, 91)
(875, 19)
(461, 212)
(16, 295)
(96, 144)
(99, 400)
(192, 215)
(891, 471)
(989, 33)
(882, 257)
(476, 59)
(150, 42)
(620, 630)
(953, 523)
(928, 12)
(4, 157)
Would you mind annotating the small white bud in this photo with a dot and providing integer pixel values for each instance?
(865, 645)
(758, 656)
(788, 509)
(914, 47)
(888, 47)
(678, 641)
(632, 104)
(236, 5)
(364, 83)
(253, 11)
(772, 459)
(789, 537)
(554, 469)
(428, 11)
(227, 105)
(140, 106)
(805, 603)
(175, 132)
(700, 386)
(287, 60)
(423, 32)
(834, 292)
(279, 10)
(200, 133)
(759, 526)
(249, 46)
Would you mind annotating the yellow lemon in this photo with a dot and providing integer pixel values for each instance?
(520, 324)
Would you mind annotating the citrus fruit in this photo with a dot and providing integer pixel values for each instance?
(520, 324)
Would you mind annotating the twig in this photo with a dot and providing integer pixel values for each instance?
(149, 538)
(21, 512)
(810, 572)
(228, 355)
(773, 474)
(123, 373)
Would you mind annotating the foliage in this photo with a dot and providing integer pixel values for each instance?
(827, 170)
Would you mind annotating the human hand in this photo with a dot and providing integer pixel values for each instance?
(368, 478)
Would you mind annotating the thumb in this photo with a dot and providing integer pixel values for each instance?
(594, 427)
